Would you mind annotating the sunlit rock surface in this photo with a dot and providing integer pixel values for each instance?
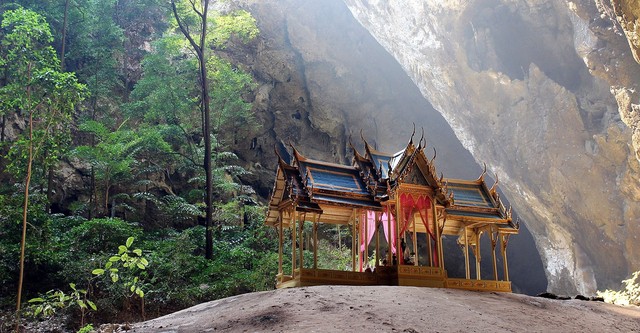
(546, 92)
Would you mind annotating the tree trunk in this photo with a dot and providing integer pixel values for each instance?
(206, 115)
(25, 210)
(207, 136)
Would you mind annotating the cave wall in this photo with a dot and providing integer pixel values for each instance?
(323, 78)
(545, 92)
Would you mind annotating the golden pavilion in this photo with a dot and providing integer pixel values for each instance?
(397, 211)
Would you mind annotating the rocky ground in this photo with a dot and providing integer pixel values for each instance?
(394, 309)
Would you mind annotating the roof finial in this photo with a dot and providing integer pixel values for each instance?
(422, 138)
(297, 154)
(435, 153)
(412, 134)
(362, 136)
(275, 149)
(495, 185)
(484, 172)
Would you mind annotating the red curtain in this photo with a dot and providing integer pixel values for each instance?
(421, 203)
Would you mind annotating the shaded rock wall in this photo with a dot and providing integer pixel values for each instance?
(322, 78)
(544, 91)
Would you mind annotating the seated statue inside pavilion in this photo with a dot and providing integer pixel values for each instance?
(395, 218)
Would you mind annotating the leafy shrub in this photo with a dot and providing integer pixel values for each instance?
(101, 235)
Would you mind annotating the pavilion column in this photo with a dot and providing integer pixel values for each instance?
(354, 235)
(365, 260)
(438, 235)
(293, 243)
(315, 240)
(399, 253)
(415, 241)
(493, 254)
(429, 245)
(280, 244)
(466, 254)
(389, 239)
(477, 254)
(504, 240)
(377, 224)
(303, 217)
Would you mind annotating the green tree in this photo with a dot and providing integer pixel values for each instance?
(201, 9)
(191, 18)
(35, 90)
(115, 156)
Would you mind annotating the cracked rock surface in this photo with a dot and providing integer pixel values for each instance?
(546, 92)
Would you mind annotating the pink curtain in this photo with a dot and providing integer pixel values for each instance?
(367, 229)
(368, 217)
(371, 218)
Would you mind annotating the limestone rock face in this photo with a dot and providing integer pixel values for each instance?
(545, 91)
(323, 78)
(628, 15)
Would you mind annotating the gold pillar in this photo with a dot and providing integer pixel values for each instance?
(466, 254)
(493, 254)
(377, 224)
(389, 239)
(280, 244)
(504, 239)
(301, 247)
(293, 243)
(353, 244)
(365, 260)
(398, 222)
(415, 241)
(438, 235)
(429, 245)
(315, 240)
(477, 254)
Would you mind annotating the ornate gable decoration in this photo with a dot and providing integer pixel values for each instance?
(383, 173)
(416, 177)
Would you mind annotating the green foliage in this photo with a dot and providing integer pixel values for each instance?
(100, 235)
(166, 93)
(245, 261)
(86, 329)
(330, 257)
(125, 267)
(26, 38)
(232, 114)
(41, 257)
(47, 305)
(115, 158)
(144, 155)
(629, 295)
(34, 88)
(239, 23)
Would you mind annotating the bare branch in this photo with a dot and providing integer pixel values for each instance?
(183, 28)
(195, 9)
